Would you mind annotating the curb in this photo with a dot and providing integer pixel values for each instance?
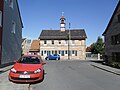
(5, 69)
(105, 69)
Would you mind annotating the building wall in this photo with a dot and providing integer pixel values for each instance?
(78, 46)
(11, 42)
(1, 29)
(114, 29)
(26, 46)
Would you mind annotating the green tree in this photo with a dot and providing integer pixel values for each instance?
(93, 47)
(99, 46)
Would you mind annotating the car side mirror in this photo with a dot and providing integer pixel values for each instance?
(43, 63)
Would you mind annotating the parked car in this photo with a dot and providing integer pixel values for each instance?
(53, 57)
(29, 68)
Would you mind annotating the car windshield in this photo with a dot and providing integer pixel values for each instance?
(55, 55)
(29, 60)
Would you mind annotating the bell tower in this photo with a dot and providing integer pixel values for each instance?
(62, 22)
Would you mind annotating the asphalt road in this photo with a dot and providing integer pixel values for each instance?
(76, 75)
(67, 75)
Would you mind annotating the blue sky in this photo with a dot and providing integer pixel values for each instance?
(91, 15)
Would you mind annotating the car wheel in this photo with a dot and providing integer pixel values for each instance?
(47, 58)
(56, 58)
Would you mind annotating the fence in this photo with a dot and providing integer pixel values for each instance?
(90, 56)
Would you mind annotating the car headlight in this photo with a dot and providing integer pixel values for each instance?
(37, 71)
(13, 70)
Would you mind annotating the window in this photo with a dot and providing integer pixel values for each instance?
(52, 41)
(0, 18)
(48, 53)
(75, 53)
(59, 52)
(59, 41)
(119, 18)
(44, 52)
(116, 56)
(62, 21)
(41, 53)
(45, 42)
(52, 52)
(55, 52)
(115, 40)
(13, 27)
(11, 3)
(66, 52)
(62, 53)
(28, 41)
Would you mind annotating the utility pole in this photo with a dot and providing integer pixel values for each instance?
(69, 43)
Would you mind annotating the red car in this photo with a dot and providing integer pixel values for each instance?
(29, 68)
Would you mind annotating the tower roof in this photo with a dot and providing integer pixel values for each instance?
(62, 18)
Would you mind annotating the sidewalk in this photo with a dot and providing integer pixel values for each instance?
(106, 68)
(4, 69)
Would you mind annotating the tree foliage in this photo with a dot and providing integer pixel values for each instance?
(97, 47)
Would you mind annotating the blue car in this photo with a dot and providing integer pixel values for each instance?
(53, 57)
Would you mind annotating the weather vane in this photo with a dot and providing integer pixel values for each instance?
(62, 13)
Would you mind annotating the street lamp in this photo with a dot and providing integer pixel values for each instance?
(69, 43)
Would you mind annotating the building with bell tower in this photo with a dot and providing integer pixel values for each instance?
(57, 42)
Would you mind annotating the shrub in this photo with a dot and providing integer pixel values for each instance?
(116, 64)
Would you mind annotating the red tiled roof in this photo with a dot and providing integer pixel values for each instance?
(35, 46)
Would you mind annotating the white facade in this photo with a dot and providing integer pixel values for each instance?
(76, 48)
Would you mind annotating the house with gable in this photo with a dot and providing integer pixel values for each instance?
(10, 31)
(26, 45)
(35, 47)
(112, 37)
(69, 44)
